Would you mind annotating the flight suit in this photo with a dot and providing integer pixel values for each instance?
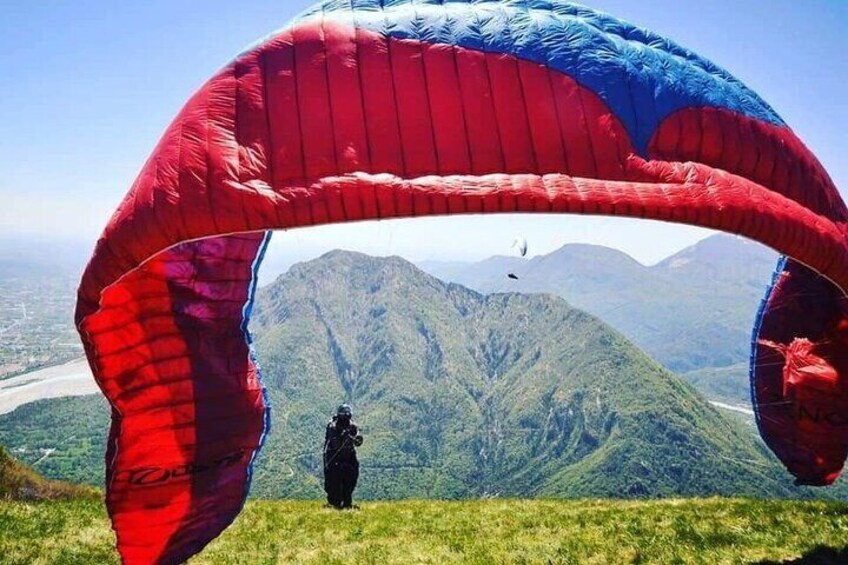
(341, 466)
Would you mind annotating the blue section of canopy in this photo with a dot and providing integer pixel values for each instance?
(641, 76)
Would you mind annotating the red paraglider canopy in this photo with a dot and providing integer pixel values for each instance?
(367, 111)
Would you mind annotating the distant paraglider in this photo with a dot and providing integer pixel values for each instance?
(372, 110)
(520, 245)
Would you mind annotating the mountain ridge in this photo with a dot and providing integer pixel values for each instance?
(692, 311)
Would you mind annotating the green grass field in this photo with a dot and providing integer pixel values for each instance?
(488, 531)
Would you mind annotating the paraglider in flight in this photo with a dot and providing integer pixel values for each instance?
(371, 110)
(520, 245)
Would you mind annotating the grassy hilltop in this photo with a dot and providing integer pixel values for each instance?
(491, 399)
(47, 522)
(483, 531)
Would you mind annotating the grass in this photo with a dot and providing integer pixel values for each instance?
(485, 531)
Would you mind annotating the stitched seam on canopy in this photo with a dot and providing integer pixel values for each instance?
(270, 151)
(463, 112)
(403, 143)
(334, 132)
(491, 98)
(436, 144)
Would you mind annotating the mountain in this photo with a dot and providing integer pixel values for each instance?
(463, 394)
(729, 258)
(694, 310)
(459, 395)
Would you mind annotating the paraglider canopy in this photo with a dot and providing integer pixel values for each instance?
(372, 110)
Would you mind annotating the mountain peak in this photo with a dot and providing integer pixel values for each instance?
(342, 263)
(346, 256)
(591, 252)
(719, 250)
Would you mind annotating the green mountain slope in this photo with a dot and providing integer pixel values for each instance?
(20, 482)
(462, 394)
(63, 438)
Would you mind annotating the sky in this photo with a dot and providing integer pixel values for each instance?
(89, 86)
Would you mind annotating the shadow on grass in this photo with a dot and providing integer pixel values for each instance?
(818, 556)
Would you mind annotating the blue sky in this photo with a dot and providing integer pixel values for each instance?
(88, 87)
